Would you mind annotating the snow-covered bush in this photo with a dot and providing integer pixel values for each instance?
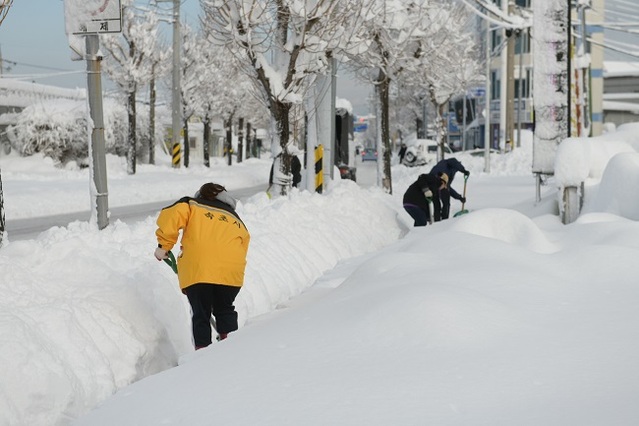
(58, 129)
(55, 128)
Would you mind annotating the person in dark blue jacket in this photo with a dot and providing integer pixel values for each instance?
(450, 166)
(424, 190)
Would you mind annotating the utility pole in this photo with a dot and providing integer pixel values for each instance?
(510, 82)
(176, 107)
(487, 132)
(175, 89)
(519, 85)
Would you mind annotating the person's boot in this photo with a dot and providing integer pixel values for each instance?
(222, 336)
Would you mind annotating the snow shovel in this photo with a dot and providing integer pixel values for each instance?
(171, 261)
(173, 264)
(463, 211)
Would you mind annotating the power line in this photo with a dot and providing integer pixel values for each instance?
(35, 66)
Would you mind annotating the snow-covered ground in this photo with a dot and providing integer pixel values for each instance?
(349, 316)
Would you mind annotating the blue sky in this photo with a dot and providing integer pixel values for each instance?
(34, 34)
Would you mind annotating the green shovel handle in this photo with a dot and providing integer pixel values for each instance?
(170, 260)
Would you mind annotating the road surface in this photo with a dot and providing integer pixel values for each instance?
(25, 229)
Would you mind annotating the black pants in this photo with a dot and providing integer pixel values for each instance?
(444, 197)
(211, 298)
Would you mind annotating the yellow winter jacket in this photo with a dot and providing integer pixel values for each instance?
(214, 241)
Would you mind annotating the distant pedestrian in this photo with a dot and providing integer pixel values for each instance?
(402, 152)
(424, 190)
(450, 166)
(212, 259)
(278, 178)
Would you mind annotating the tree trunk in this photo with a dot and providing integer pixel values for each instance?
(441, 131)
(248, 139)
(152, 117)
(281, 113)
(384, 92)
(131, 152)
(240, 139)
(185, 142)
(440, 125)
(228, 149)
(1, 212)
(207, 139)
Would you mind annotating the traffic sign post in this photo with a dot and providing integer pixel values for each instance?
(88, 18)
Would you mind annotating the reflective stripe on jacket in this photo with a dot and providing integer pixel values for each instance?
(214, 241)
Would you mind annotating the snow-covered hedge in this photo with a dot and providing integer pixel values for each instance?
(58, 129)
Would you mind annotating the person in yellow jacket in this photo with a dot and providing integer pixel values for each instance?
(212, 259)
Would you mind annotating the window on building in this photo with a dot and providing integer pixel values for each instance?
(192, 142)
(495, 85)
(525, 85)
(522, 43)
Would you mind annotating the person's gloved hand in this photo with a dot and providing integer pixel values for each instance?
(161, 254)
(463, 200)
(466, 173)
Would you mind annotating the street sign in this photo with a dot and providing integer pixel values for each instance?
(478, 92)
(93, 16)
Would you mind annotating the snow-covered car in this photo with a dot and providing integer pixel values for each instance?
(414, 157)
(423, 151)
(430, 150)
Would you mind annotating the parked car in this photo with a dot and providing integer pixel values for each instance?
(369, 154)
(423, 151)
(431, 151)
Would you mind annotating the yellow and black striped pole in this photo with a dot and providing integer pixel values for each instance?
(177, 155)
(319, 177)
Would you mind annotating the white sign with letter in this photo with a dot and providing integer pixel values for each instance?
(93, 16)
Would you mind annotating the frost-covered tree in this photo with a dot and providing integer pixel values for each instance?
(452, 66)
(191, 80)
(158, 62)
(395, 34)
(2, 226)
(450, 61)
(282, 45)
(126, 62)
(4, 9)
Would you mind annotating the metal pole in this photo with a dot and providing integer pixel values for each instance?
(487, 138)
(521, 55)
(176, 101)
(463, 133)
(94, 89)
(332, 138)
(569, 69)
(424, 117)
(510, 84)
(581, 52)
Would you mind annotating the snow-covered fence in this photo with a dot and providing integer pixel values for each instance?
(581, 162)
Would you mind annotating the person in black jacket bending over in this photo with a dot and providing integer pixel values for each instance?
(427, 186)
(450, 166)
